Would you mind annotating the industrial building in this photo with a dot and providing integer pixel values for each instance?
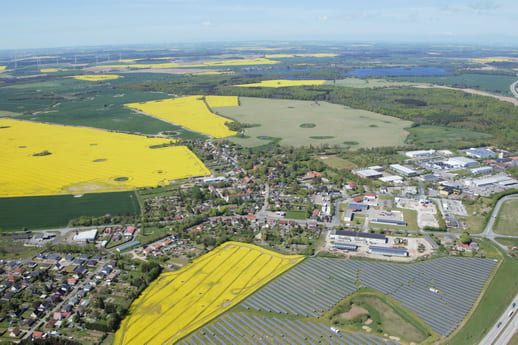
(85, 236)
(345, 246)
(357, 207)
(420, 153)
(460, 162)
(395, 179)
(355, 236)
(388, 251)
(403, 170)
(389, 221)
(480, 153)
(494, 180)
(428, 177)
(349, 215)
(367, 173)
(481, 170)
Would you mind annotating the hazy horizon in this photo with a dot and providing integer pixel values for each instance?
(40, 25)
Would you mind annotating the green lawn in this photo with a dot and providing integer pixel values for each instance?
(38, 212)
(501, 291)
(507, 221)
(337, 124)
(338, 163)
(296, 214)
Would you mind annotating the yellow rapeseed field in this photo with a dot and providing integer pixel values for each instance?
(85, 160)
(280, 56)
(284, 83)
(191, 112)
(179, 302)
(96, 77)
(2, 68)
(236, 62)
(51, 70)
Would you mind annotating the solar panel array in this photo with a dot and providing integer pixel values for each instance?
(309, 289)
(440, 291)
(239, 328)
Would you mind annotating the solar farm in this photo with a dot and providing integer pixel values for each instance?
(289, 309)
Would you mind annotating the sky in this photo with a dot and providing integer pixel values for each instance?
(69, 23)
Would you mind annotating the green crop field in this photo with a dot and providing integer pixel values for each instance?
(83, 103)
(335, 124)
(55, 211)
(338, 163)
(438, 136)
(497, 84)
(507, 221)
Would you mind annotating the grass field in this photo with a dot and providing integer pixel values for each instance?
(387, 318)
(283, 83)
(439, 136)
(179, 302)
(507, 221)
(42, 159)
(192, 112)
(497, 84)
(338, 163)
(282, 119)
(499, 294)
(38, 212)
(368, 83)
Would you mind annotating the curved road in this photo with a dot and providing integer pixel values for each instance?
(513, 88)
(488, 231)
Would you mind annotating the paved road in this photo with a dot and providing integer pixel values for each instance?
(513, 88)
(488, 231)
(502, 334)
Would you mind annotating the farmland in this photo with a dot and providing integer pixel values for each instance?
(191, 112)
(336, 124)
(42, 159)
(96, 77)
(179, 302)
(283, 83)
(216, 63)
(55, 211)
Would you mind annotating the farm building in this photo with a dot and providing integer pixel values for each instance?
(355, 236)
(357, 207)
(388, 251)
(345, 246)
(460, 162)
(389, 221)
(403, 170)
(420, 153)
(367, 173)
(480, 153)
(86, 236)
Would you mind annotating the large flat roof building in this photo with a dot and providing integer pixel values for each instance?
(480, 153)
(85, 236)
(461, 162)
(420, 153)
(388, 251)
(403, 170)
(356, 236)
(368, 173)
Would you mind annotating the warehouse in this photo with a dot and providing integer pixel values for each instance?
(345, 246)
(481, 170)
(420, 153)
(460, 162)
(354, 236)
(403, 170)
(395, 179)
(128, 246)
(357, 207)
(367, 173)
(389, 221)
(480, 153)
(388, 251)
(495, 180)
(85, 236)
(349, 215)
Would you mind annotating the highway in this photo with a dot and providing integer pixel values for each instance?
(502, 332)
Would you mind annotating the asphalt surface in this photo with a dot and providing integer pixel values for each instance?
(502, 332)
